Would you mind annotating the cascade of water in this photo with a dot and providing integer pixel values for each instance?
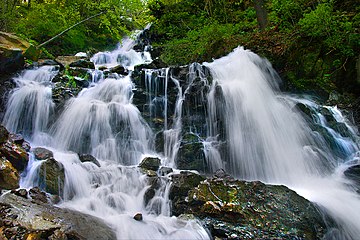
(172, 136)
(30, 104)
(156, 88)
(124, 55)
(268, 140)
(103, 121)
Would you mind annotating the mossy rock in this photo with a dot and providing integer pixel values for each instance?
(52, 177)
(240, 209)
(150, 163)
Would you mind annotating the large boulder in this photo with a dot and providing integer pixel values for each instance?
(181, 184)
(9, 176)
(23, 217)
(237, 209)
(52, 176)
(12, 49)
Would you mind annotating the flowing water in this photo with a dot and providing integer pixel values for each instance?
(249, 128)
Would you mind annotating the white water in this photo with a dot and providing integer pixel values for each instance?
(269, 141)
(30, 104)
(101, 121)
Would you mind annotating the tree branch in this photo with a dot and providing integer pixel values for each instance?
(68, 29)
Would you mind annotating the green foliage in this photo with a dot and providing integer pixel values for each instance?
(199, 45)
(44, 19)
(313, 43)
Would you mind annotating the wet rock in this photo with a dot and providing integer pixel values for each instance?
(150, 163)
(50, 62)
(149, 194)
(37, 195)
(12, 49)
(163, 171)
(63, 91)
(15, 154)
(138, 217)
(42, 153)
(9, 176)
(67, 60)
(182, 183)
(4, 134)
(82, 63)
(52, 177)
(240, 209)
(89, 158)
(119, 70)
(21, 192)
(191, 156)
(353, 173)
(24, 219)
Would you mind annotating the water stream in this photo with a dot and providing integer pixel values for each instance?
(253, 131)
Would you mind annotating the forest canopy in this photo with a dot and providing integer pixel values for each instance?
(39, 20)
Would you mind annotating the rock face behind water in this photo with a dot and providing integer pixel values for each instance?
(23, 217)
(237, 209)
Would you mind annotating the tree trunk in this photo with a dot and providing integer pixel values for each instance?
(261, 13)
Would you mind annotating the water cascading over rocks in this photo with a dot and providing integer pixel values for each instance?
(226, 114)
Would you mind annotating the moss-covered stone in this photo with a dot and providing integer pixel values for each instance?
(239, 209)
(150, 163)
(52, 176)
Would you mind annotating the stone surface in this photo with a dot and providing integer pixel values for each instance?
(24, 218)
(182, 183)
(52, 176)
(89, 158)
(82, 63)
(150, 163)
(4, 134)
(9, 176)
(42, 153)
(15, 154)
(237, 209)
(11, 52)
(138, 217)
(119, 70)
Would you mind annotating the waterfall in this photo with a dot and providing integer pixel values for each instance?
(238, 115)
(30, 104)
(268, 140)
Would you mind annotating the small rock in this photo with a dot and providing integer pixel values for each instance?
(4, 134)
(89, 158)
(21, 192)
(36, 194)
(163, 171)
(119, 70)
(83, 64)
(138, 217)
(42, 153)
